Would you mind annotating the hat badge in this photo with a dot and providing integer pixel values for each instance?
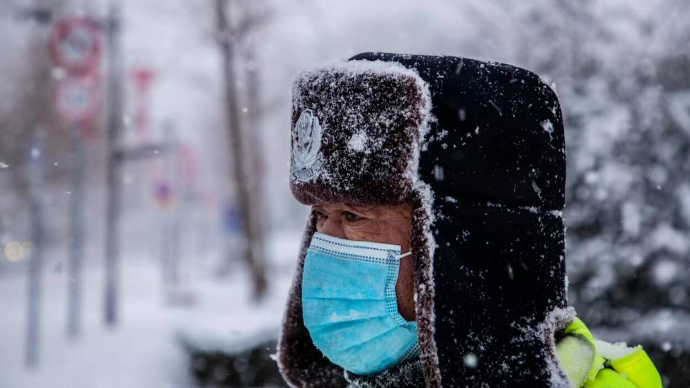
(307, 159)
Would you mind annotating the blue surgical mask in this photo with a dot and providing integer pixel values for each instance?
(350, 307)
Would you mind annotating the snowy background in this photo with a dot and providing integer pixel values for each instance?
(621, 69)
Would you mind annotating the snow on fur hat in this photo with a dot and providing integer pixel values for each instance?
(478, 148)
(354, 124)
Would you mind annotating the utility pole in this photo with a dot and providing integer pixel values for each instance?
(74, 281)
(112, 274)
(36, 259)
(246, 199)
(116, 156)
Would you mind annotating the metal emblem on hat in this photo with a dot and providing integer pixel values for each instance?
(307, 159)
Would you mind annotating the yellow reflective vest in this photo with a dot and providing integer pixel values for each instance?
(596, 364)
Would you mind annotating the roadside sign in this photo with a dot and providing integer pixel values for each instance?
(77, 99)
(143, 79)
(76, 45)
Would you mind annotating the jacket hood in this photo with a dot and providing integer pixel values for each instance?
(478, 148)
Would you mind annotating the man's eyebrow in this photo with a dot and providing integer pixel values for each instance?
(361, 209)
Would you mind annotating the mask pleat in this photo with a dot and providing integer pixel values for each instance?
(330, 311)
(396, 342)
(343, 335)
(329, 276)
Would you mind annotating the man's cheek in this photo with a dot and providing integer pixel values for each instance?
(364, 230)
(358, 233)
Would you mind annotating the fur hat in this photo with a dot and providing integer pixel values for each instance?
(478, 148)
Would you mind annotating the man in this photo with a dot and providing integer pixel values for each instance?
(434, 255)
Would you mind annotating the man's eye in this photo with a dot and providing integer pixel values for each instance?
(319, 215)
(352, 217)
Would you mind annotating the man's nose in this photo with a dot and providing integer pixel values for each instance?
(333, 228)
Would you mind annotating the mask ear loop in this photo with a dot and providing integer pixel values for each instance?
(404, 255)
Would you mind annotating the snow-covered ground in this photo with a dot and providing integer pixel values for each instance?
(144, 350)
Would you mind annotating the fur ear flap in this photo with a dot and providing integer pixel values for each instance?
(423, 246)
(300, 363)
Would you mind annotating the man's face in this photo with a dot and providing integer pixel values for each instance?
(381, 224)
